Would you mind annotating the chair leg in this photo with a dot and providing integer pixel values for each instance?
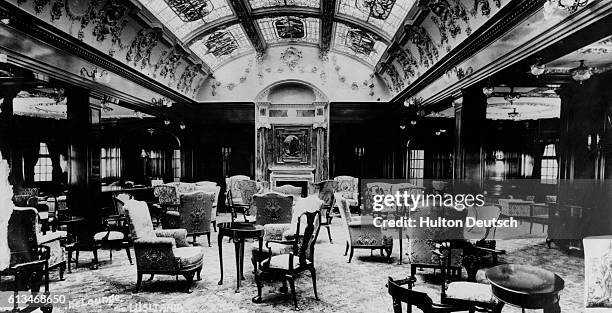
(95, 259)
(347, 247)
(138, 281)
(151, 278)
(199, 272)
(214, 223)
(293, 295)
(110, 255)
(351, 255)
(329, 234)
(69, 259)
(208, 237)
(254, 262)
(258, 281)
(388, 255)
(189, 277)
(62, 269)
(76, 260)
(129, 255)
(195, 239)
(313, 273)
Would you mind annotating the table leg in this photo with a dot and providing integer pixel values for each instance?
(242, 259)
(219, 243)
(401, 252)
(553, 308)
(237, 243)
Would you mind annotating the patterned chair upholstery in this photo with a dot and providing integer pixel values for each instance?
(193, 214)
(232, 191)
(362, 233)
(57, 253)
(373, 189)
(182, 187)
(423, 241)
(246, 190)
(28, 267)
(295, 191)
(274, 213)
(216, 190)
(348, 187)
(161, 251)
(26, 197)
(167, 195)
(597, 267)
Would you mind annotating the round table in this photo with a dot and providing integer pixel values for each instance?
(238, 232)
(526, 287)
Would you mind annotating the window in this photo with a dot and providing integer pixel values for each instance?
(550, 167)
(157, 163)
(176, 165)
(110, 162)
(416, 166)
(43, 170)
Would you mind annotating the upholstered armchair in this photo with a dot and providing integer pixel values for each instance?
(233, 197)
(295, 191)
(161, 251)
(167, 195)
(362, 233)
(26, 197)
(274, 212)
(246, 188)
(348, 187)
(28, 267)
(325, 190)
(193, 214)
(216, 190)
(373, 189)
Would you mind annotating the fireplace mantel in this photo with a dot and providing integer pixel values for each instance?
(290, 173)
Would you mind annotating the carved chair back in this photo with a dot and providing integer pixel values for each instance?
(311, 222)
(232, 191)
(421, 300)
(246, 188)
(273, 208)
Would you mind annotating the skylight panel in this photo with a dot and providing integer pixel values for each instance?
(257, 4)
(221, 45)
(356, 42)
(386, 15)
(290, 29)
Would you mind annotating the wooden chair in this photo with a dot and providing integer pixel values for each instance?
(289, 265)
(233, 198)
(418, 299)
(247, 189)
(325, 190)
(193, 214)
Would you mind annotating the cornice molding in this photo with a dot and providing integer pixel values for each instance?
(507, 18)
(48, 34)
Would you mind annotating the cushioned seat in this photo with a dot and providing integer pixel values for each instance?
(475, 292)
(112, 235)
(173, 213)
(189, 256)
(50, 236)
(277, 248)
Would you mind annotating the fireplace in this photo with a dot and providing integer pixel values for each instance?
(296, 176)
(297, 183)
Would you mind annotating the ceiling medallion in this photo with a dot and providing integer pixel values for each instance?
(190, 10)
(378, 9)
(291, 57)
(581, 73)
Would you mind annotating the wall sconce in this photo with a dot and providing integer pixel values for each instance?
(95, 74)
(581, 73)
(402, 126)
(182, 126)
(413, 122)
(359, 151)
(488, 89)
(414, 101)
(226, 152)
(166, 122)
(139, 115)
(538, 68)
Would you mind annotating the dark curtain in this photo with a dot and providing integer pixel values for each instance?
(30, 157)
(538, 152)
(55, 151)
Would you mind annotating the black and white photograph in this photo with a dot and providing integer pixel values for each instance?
(338, 156)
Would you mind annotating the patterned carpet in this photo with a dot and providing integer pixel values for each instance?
(343, 287)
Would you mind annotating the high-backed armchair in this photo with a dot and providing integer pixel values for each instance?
(348, 187)
(373, 189)
(193, 214)
(246, 188)
(233, 198)
(274, 212)
(216, 190)
(28, 267)
(325, 190)
(362, 233)
(295, 191)
(167, 195)
(161, 251)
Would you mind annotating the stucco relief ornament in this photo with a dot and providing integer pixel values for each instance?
(6, 194)
(111, 20)
(84, 17)
(291, 57)
(142, 46)
(262, 123)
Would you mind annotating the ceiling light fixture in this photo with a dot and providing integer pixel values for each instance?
(402, 126)
(514, 114)
(538, 68)
(182, 126)
(581, 73)
(488, 89)
(166, 122)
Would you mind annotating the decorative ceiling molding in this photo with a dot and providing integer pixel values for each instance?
(327, 24)
(507, 18)
(595, 12)
(243, 11)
